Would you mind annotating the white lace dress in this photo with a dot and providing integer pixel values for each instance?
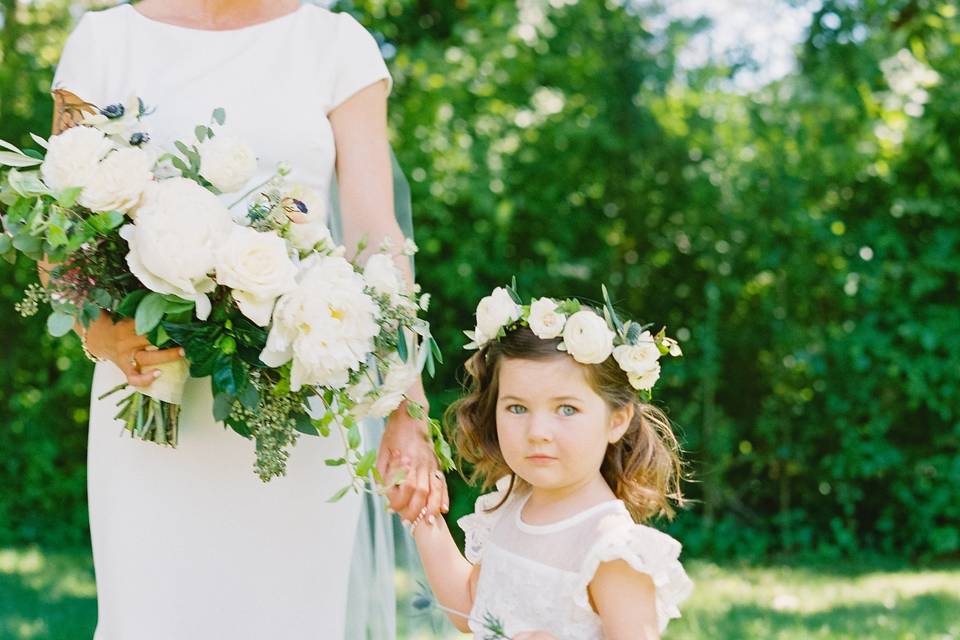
(536, 577)
(188, 543)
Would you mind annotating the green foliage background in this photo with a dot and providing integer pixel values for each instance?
(800, 238)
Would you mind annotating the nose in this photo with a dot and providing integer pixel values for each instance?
(539, 429)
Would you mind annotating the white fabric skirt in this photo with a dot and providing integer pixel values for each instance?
(189, 544)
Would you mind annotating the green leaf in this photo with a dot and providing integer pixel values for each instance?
(181, 166)
(128, 306)
(366, 463)
(353, 436)
(219, 115)
(149, 313)
(101, 298)
(222, 406)
(612, 314)
(200, 132)
(304, 424)
(250, 397)
(69, 196)
(402, 350)
(59, 324)
(106, 221)
(29, 245)
(335, 462)
(339, 494)
(435, 349)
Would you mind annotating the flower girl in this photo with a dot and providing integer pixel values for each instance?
(557, 409)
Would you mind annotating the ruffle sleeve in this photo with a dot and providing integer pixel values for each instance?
(646, 550)
(478, 525)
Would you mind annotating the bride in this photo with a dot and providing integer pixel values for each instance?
(187, 542)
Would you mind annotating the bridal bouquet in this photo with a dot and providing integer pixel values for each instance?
(295, 336)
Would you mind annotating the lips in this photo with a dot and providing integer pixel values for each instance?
(539, 457)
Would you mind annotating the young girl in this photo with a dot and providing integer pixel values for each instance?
(554, 552)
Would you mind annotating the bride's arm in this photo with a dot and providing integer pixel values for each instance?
(365, 179)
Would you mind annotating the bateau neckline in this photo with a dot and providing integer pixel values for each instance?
(249, 27)
(563, 523)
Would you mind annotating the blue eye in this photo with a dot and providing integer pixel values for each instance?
(567, 410)
(516, 409)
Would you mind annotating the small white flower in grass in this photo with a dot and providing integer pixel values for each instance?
(587, 337)
(382, 274)
(257, 268)
(545, 319)
(119, 181)
(173, 241)
(226, 162)
(644, 381)
(73, 158)
(494, 313)
(638, 358)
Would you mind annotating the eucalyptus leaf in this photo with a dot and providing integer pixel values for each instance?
(149, 313)
(59, 324)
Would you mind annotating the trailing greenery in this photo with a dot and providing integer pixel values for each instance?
(801, 240)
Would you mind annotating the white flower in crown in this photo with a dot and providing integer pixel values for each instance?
(495, 312)
(545, 319)
(645, 381)
(587, 337)
(638, 358)
(227, 162)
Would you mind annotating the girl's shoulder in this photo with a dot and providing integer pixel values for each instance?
(646, 550)
(488, 510)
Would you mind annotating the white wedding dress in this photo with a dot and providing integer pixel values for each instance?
(188, 543)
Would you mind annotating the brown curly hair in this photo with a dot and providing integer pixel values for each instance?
(643, 468)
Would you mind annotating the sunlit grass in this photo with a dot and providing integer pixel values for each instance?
(51, 595)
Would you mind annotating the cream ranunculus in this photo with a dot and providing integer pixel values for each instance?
(119, 181)
(644, 381)
(638, 358)
(382, 274)
(326, 325)
(227, 162)
(173, 241)
(545, 319)
(495, 312)
(587, 337)
(257, 268)
(73, 158)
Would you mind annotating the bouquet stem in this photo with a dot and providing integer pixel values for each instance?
(147, 418)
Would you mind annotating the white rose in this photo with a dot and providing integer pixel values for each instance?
(639, 357)
(587, 337)
(73, 157)
(227, 162)
(307, 235)
(644, 381)
(119, 181)
(495, 312)
(326, 325)
(313, 202)
(381, 400)
(382, 274)
(545, 320)
(173, 241)
(258, 269)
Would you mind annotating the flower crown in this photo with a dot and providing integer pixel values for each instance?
(588, 334)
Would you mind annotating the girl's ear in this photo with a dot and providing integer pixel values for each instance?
(620, 420)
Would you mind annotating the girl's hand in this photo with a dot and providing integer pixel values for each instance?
(534, 635)
(406, 449)
(119, 343)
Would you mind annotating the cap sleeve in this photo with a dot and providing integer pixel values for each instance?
(359, 62)
(646, 550)
(478, 525)
(79, 70)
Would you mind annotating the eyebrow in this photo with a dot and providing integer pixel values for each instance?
(557, 398)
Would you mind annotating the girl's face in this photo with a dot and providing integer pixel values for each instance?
(552, 426)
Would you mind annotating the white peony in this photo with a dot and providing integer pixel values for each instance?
(73, 158)
(638, 358)
(326, 325)
(119, 181)
(382, 274)
(545, 320)
(172, 243)
(257, 268)
(587, 337)
(307, 235)
(645, 381)
(227, 162)
(495, 312)
(381, 400)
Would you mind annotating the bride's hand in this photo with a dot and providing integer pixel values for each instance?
(119, 343)
(406, 449)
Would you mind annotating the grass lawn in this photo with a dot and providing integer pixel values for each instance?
(51, 595)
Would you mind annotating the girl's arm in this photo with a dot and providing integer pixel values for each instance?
(625, 599)
(452, 578)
